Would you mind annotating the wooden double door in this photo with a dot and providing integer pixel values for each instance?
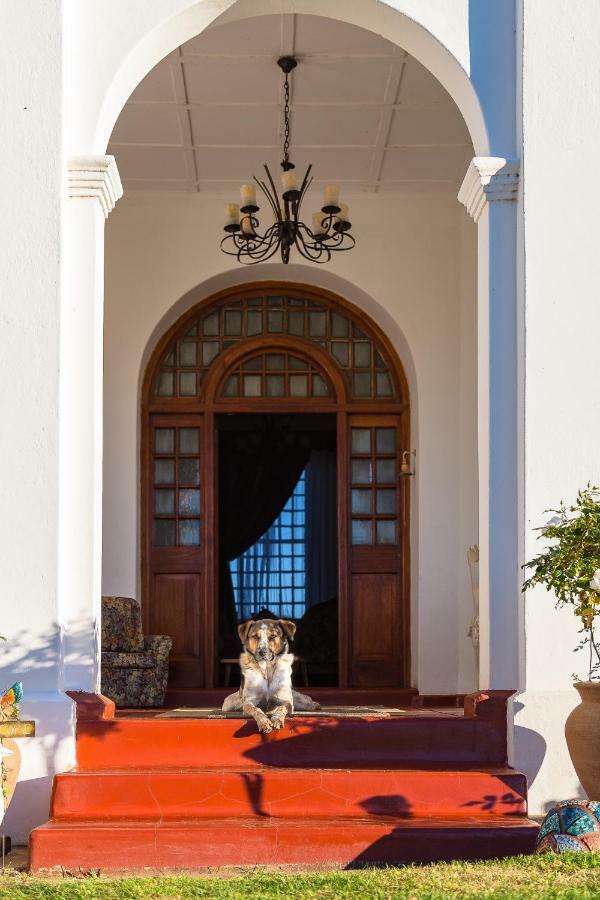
(181, 535)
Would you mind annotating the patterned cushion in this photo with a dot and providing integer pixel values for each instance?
(121, 625)
(144, 659)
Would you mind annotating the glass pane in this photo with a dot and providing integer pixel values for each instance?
(210, 323)
(189, 471)
(298, 385)
(275, 386)
(317, 324)
(253, 365)
(165, 384)
(164, 471)
(361, 440)
(252, 386)
(386, 471)
(275, 320)
(187, 384)
(362, 472)
(385, 440)
(299, 365)
(379, 363)
(386, 531)
(192, 331)
(340, 351)
(170, 358)
(296, 322)
(362, 532)
(164, 440)
(254, 322)
(386, 502)
(164, 532)
(164, 502)
(319, 387)
(189, 440)
(362, 500)
(384, 385)
(233, 321)
(189, 532)
(362, 355)
(275, 361)
(339, 325)
(361, 384)
(232, 387)
(189, 503)
(187, 353)
(210, 350)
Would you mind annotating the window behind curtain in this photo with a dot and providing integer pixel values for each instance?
(272, 572)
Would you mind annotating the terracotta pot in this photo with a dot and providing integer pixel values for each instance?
(582, 730)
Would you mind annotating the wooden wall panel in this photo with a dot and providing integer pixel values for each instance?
(175, 611)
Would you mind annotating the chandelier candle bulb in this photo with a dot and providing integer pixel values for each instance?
(331, 195)
(232, 214)
(289, 181)
(317, 221)
(247, 226)
(248, 195)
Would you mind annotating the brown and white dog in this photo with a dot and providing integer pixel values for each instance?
(266, 691)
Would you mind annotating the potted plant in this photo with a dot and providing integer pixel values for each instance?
(569, 566)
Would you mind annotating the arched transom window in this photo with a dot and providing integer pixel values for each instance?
(214, 330)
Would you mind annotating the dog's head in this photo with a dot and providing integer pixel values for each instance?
(267, 638)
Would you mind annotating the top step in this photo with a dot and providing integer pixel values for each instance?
(417, 738)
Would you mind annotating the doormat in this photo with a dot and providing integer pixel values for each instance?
(328, 712)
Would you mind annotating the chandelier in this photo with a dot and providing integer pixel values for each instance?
(329, 232)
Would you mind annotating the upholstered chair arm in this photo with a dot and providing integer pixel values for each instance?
(160, 645)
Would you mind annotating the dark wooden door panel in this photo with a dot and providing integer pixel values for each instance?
(176, 612)
(376, 502)
(174, 526)
(376, 652)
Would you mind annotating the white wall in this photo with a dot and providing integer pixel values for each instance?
(160, 248)
(561, 128)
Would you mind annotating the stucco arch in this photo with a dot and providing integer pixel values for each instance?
(416, 27)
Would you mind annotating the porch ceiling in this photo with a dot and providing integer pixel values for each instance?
(364, 112)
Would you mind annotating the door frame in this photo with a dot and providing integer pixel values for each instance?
(342, 405)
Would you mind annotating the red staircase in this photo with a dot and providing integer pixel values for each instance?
(177, 793)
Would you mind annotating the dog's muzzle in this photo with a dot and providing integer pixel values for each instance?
(264, 654)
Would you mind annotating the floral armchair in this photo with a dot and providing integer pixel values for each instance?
(134, 667)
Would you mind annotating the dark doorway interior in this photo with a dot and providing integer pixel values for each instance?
(278, 533)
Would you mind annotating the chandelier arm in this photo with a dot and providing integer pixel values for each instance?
(275, 194)
(340, 241)
(254, 257)
(311, 251)
(267, 194)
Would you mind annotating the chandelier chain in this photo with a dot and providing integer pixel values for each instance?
(286, 119)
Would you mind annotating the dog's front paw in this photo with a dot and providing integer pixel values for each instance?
(264, 725)
(277, 722)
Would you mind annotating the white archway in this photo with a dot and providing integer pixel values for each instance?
(491, 184)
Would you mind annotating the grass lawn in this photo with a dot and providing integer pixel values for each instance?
(574, 876)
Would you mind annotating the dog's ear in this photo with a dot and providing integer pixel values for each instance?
(243, 630)
(289, 628)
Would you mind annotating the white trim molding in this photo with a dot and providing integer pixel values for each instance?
(96, 178)
(488, 179)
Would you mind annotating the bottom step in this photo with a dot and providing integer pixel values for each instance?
(199, 844)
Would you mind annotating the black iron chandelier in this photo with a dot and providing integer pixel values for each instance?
(330, 225)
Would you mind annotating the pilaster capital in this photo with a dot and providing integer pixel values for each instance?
(489, 179)
(95, 178)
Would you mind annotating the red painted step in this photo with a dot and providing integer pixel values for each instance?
(197, 844)
(408, 741)
(168, 794)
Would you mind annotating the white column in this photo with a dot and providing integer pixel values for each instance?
(489, 192)
(93, 189)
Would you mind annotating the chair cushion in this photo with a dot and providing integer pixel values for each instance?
(121, 625)
(144, 659)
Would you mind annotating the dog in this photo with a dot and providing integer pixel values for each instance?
(266, 691)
